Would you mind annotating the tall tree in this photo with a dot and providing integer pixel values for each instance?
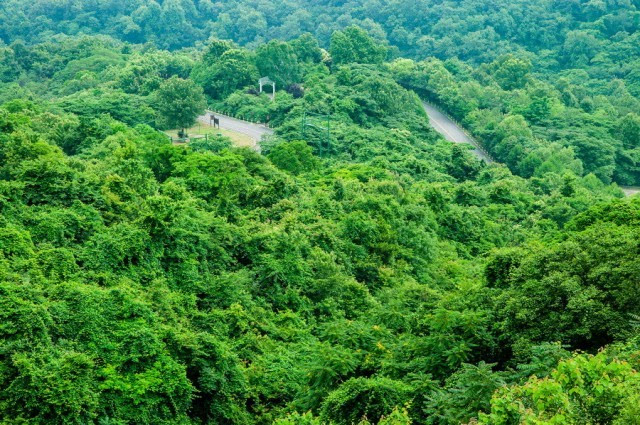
(233, 70)
(355, 45)
(278, 61)
(178, 103)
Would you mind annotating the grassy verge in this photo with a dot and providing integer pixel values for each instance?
(201, 129)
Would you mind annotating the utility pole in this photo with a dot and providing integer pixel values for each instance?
(317, 126)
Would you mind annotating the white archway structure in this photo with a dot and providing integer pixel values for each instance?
(265, 81)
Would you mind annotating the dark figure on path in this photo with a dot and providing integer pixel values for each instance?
(214, 121)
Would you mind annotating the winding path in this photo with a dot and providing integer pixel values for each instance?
(254, 131)
(439, 121)
(452, 132)
(456, 134)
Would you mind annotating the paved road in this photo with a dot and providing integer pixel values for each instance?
(255, 131)
(450, 130)
(440, 122)
(630, 190)
(453, 133)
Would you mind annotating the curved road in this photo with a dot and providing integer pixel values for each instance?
(254, 131)
(452, 132)
(439, 121)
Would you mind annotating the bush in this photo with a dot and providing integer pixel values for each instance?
(370, 398)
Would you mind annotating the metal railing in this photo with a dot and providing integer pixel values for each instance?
(474, 142)
(242, 118)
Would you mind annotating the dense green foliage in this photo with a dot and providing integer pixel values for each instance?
(372, 274)
(479, 30)
(551, 84)
(179, 103)
(531, 125)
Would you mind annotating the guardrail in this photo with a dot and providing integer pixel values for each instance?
(427, 96)
(474, 142)
(237, 117)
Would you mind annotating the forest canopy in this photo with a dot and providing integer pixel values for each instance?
(353, 268)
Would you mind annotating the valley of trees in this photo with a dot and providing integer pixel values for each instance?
(375, 275)
(531, 80)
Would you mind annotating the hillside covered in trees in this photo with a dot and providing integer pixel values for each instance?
(562, 77)
(368, 272)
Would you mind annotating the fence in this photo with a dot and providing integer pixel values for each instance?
(474, 142)
(432, 100)
(188, 139)
(237, 117)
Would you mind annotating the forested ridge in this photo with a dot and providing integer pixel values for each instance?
(368, 272)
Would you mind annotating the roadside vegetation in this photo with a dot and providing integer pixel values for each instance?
(367, 272)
